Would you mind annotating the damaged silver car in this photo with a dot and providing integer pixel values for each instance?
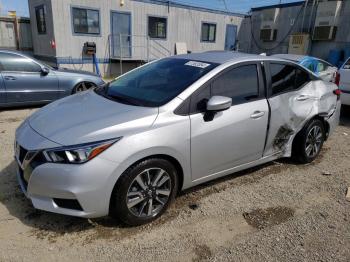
(127, 148)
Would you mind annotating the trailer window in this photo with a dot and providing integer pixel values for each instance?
(86, 21)
(157, 27)
(40, 19)
(208, 32)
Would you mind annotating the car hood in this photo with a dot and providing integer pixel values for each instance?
(89, 117)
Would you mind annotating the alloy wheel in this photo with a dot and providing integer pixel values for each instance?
(314, 141)
(149, 192)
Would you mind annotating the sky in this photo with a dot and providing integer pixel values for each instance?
(237, 6)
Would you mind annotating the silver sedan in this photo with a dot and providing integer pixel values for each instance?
(126, 149)
(27, 81)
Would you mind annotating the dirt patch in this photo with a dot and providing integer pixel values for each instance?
(262, 218)
(10, 120)
(202, 252)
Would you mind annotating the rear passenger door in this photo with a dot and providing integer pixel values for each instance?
(291, 95)
(235, 136)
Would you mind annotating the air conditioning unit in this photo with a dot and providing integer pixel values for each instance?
(327, 20)
(299, 44)
(268, 29)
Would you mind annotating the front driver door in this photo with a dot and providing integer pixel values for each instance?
(24, 81)
(235, 136)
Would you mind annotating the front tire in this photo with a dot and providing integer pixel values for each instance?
(309, 141)
(83, 86)
(144, 191)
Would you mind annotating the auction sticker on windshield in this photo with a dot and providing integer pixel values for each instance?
(197, 64)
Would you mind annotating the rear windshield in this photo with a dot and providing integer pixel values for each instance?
(347, 64)
(156, 83)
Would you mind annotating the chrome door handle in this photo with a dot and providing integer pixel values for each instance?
(257, 114)
(10, 78)
(302, 97)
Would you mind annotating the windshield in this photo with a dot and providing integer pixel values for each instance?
(156, 83)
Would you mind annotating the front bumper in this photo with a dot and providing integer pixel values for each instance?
(48, 185)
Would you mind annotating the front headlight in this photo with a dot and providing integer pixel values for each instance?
(78, 154)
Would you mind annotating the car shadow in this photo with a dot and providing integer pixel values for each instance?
(21, 208)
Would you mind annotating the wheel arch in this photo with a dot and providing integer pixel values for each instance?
(320, 117)
(171, 159)
(79, 81)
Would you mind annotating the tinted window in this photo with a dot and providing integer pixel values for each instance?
(208, 32)
(282, 78)
(40, 19)
(285, 78)
(12, 62)
(241, 84)
(199, 100)
(301, 79)
(86, 21)
(156, 83)
(157, 27)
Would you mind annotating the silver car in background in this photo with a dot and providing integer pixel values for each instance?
(126, 149)
(27, 81)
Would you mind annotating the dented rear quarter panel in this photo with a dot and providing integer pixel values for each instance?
(289, 114)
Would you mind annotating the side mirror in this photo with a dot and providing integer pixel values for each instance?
(45, 71)
(219, 103)
(216, 104)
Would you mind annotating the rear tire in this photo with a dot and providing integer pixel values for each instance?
(309, 141)
(144, 192)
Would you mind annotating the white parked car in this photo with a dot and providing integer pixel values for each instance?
(344, 82)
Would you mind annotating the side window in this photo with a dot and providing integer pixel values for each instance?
(301, 78)
(282, 78)
(16, 63)
(157, 27)
(86, 21)
(199, 100)
(208, 32)
(347, 64)
(40, 19)
(241, 84)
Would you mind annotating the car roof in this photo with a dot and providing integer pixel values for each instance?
(221, 57)
(296, 58)
(26, 54)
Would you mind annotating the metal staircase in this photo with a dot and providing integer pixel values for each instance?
(138, 48)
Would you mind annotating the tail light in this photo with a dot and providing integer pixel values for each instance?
(337, 92)
(337, 79)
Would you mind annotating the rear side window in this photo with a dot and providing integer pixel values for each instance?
(302, 78)
(16, 63)
(286, 78)
(282, 78)
(241, 84)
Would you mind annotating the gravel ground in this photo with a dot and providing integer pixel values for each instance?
(275, 212)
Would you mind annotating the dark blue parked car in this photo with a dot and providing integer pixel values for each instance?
(26, 81)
